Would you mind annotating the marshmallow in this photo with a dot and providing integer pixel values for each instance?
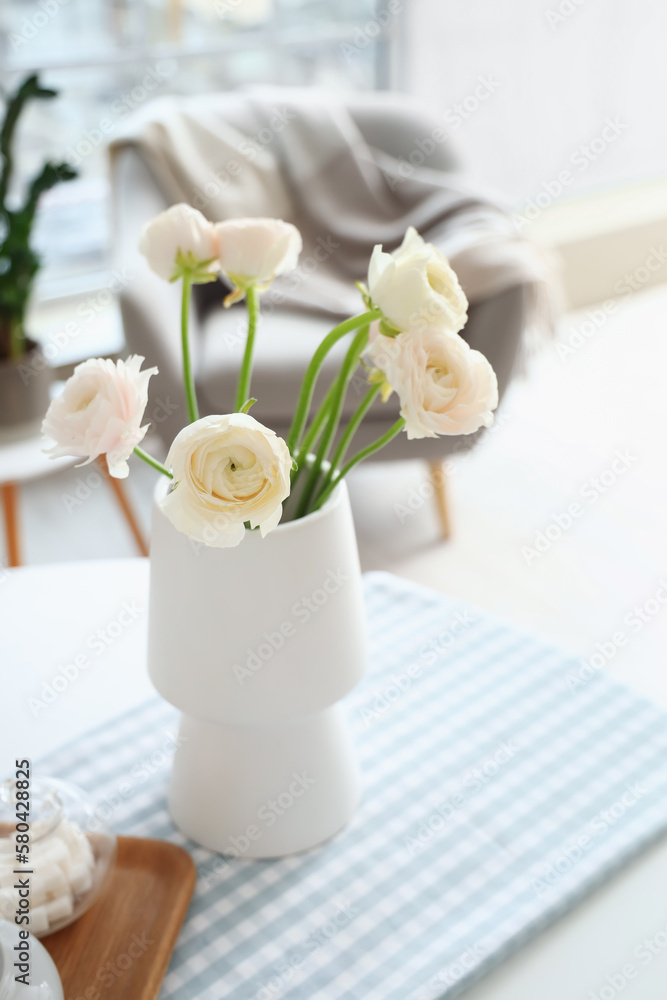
(80, 879)
(52, 851)
(48, 882)
(60, 907)
(80, 853)
(63, 866)
(39, 920)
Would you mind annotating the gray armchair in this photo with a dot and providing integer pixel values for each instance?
(287, 337)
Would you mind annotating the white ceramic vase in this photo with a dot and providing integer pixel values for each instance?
(257, 645)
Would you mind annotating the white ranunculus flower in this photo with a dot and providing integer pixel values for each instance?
(415, 287)
(99, 412)
(227, 470)
(444, 386)
(255, 251)
(180, 238)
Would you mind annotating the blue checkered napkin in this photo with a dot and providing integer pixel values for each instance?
(501, 785)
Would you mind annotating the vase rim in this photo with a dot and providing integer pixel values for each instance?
(330, 503)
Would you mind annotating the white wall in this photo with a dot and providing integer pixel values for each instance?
(558, 70)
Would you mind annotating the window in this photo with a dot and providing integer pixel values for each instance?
(107, 57)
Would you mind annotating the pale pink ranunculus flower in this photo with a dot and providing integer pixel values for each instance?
(444, 386)
(99, 412)
(179, 233)
(255, 251)
(415, 287)
(227, 470)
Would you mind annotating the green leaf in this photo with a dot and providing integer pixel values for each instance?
(19, 263)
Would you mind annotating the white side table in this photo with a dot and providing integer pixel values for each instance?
(23, 460)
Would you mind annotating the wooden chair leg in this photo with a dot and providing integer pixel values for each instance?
(124, 504)
(10, 496)
(437, 470)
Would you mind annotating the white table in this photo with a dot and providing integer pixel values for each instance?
(23, 460)
(47, 616)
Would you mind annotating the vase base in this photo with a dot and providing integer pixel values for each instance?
(264, 791)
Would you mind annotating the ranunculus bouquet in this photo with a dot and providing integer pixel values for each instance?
(229, 472)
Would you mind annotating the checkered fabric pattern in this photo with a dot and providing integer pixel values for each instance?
(502, 784)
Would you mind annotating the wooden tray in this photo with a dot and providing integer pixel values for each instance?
(122, 946)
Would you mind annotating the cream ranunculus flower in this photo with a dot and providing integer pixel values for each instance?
(255, 251)
(99, 412)
(416, 288)
(227, 470)
(181, 239)
(443, 385)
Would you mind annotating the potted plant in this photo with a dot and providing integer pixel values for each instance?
(24, 373)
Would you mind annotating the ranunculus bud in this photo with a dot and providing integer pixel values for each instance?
(181, 240)
(255, 251)
(416, 288)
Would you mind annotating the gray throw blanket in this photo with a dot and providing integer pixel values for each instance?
(292, 154)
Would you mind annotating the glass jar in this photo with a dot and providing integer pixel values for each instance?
(43, 975)
(70, 854)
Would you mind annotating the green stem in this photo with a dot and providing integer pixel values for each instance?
(243, 390)
(313, 434)
(335, 410)
(152, 462)
(350, 431)
(313, 370)
(318, 422)
(364, 453)
(188, 378)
